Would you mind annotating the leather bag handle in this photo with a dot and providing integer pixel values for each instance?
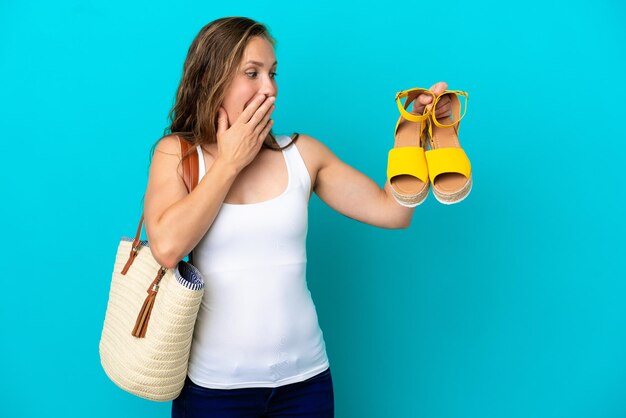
(190, 165)
(191, 173)
(190, 177)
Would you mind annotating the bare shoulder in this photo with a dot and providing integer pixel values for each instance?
(308, 142)
(169, 146)
(167, 155)
(313, 150)
(165, 181)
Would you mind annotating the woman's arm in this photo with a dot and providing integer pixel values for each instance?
(176, 220)
(349, 191)
(352, 193)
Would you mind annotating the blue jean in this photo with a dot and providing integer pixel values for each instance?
(312, 398)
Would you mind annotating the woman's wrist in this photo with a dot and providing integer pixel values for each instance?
(225, 167)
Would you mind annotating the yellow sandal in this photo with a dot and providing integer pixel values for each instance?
(449, 167)
(407, 171)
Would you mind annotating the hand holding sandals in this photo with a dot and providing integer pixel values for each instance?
(427, 148)
(424, 101)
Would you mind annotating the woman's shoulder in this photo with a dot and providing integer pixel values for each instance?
(315, 154)
(312, 147)
(169, 145)
(306, 142)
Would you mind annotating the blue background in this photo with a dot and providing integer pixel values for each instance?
(510, 304)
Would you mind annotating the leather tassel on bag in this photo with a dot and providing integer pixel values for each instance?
(141, 325)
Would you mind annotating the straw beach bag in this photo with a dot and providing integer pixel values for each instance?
(150, 316)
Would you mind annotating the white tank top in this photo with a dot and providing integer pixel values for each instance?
(257, 325)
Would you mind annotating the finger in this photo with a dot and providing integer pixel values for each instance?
(262, 111)
(443, 107)
(425, 98)
(439, 87)
(418, 110)
(222, 120)
(442, 101)
(261, 125)
(266, 130)
(443, 115)
(420, 102)
(262, 134)
(251, 108)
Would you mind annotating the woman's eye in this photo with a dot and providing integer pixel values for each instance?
(253, 74)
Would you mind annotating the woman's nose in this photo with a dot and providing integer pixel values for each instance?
(269, 87)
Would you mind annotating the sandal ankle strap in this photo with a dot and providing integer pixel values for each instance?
(402, 108)
(456, 93)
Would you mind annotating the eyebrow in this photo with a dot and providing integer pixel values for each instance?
(260, 64)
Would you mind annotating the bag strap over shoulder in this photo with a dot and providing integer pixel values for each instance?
(191, 170)
(190, 177)
(191, 166)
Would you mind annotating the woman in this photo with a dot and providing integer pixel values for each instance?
(257, 348)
